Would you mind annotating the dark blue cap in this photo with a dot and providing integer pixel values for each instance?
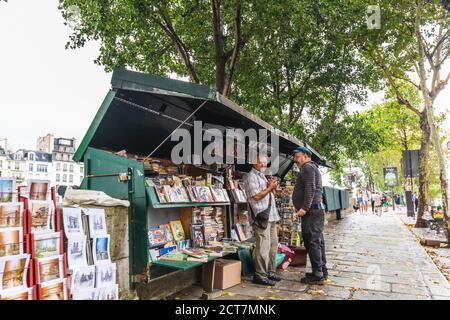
(302, 150)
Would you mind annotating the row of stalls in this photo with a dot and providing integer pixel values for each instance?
(127, 154)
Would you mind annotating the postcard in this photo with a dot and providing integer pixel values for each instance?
(17, 294)
(76, 251)
(13, 271)
(72, 221)
(177, 230)
(8, 190)
(42, 216)
(97, 222)
(109, 293)
(106, 275)
(83, 278)
(49, 269)
(160, 193)
(101, 249)
(11, 241)
(11, 214)
(47, 244)
(54, 290)
(85, 294)
(39, 189)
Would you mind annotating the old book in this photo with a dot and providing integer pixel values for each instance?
(177, 230)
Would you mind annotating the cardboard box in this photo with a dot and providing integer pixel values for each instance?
(227, 273)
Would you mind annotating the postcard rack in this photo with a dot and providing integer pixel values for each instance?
(30, 242)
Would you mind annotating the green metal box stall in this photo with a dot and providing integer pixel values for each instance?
(138, 115)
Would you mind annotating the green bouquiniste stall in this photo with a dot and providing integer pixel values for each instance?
(137, 115)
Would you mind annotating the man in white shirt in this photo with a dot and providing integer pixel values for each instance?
(261, 198)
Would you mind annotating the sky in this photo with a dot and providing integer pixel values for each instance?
(45, 88)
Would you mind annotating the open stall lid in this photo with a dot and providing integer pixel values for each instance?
(141, 111)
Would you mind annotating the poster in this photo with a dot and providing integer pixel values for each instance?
(11, 242)
(101, 249)
(47, 244)
(11, 214)
(42, 214)
(39, 189)
(7, 190)
(13, 272)
(49, 269)
(97, 222)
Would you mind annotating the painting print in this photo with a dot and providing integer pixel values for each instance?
(11, 215)
(13, 271)
(101, 249)
(54, 290)
(19, 294)
(39, 189)
(85, 294)
(109, 293)
(76, 251)
(72, 221)
(11, 241)
(97, 222)
(83, 278)
(106, 274)
(41, 216)
(50, 269)
(7, 190)
(47, 244)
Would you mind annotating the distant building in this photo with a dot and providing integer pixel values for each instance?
(52, 160)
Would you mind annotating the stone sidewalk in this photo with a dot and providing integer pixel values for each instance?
(369, 257)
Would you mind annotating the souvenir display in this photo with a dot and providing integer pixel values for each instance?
(8, 190)
(42, 216)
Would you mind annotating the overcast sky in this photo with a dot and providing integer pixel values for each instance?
(47, 89)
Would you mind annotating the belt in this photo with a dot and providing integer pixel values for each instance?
(318, 206)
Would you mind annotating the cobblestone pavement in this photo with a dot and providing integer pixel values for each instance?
(369, 257)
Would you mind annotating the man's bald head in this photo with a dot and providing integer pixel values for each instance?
(260, 162)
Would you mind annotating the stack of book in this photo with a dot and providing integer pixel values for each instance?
(209, 224)
(219, 221)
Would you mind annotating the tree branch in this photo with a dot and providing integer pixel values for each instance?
(238, 44)
(168, 28)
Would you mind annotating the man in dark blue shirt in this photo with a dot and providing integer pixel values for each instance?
(307, 201)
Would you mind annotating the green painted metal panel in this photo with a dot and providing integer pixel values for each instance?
(329, 197)
(99, 162)
(131, 80)
(344, 197)
(337, 198)
(94, 126)
(178, 265)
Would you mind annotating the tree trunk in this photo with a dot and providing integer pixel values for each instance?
(424, 173)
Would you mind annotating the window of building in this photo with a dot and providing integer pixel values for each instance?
(42, 168)
(81, 169)
(71, 168)
(18, 156)
(1, 163)
(71, 178)
(31, 156)
(64, 177)
(58, 177)
(17, 166)
(65, 167)
(31, 167)
(58, 166)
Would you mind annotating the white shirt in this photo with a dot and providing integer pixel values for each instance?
(254, 183)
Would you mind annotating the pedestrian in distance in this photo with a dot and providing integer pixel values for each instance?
(307, 201)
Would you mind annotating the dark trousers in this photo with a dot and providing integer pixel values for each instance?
(312, 233)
